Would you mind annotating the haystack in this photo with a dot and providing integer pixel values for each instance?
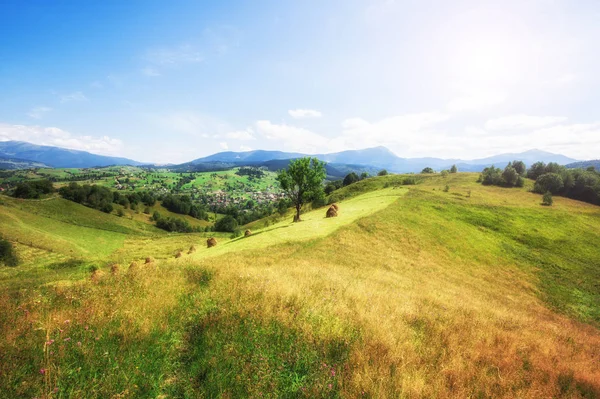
(331, 212)
(336, 207)
(192, 249)
(97, 276)
(149, 259)
(247, 233)
(114, 269)
(133, 268)
(179, 254)
(211, 242)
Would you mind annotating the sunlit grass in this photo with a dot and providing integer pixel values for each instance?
(411, 292)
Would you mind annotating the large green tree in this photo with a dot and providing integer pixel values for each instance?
(302, 181)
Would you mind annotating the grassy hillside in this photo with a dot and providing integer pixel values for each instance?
(441, 289)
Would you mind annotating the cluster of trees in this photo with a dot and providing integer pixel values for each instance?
(550, 179)
(96, 197)
(183, 205)
(350, 178)
(256, 173)
(102, 198)
(579, 184)
(511, 176)
(173, 224)
(7, 253)
(33, 189)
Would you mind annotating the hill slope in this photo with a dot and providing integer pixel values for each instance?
(412, 291)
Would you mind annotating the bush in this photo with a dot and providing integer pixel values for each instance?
(382, 172)
(444, 173)
(7, 254)
(428, 170)
(547, 199)
(236, 233)
(120, 213)
(350, 179)
(227, 224)
(453, 169)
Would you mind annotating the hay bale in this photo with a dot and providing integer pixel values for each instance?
(97, 275)
(331, 212)
(149, 260)
(133, 268)
(179, 254)
(114, 269)
(336, 206)
(192, 249)
(247, 233)
(211, 242)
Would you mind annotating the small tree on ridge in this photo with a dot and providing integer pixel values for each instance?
(302, 181)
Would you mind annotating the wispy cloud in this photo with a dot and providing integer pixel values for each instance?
(38, 112)
(242, 135)
(150, 72)
(304, 113)
(522, 121)
(173, 56)
(73, 97)
(54, 136)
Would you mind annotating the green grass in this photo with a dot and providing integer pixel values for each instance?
(410, 292)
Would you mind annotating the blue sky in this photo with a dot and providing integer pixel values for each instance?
(173, 81)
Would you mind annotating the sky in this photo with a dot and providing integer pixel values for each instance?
(169, 82)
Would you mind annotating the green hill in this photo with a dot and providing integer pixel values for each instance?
(444, 288)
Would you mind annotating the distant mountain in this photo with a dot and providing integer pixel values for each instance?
(585, 164)
(379, 158)
(58, 157)
(15, 163)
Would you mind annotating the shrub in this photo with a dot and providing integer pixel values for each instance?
(382, 172)
(174, 225)
(226, 224)
(120, 213)
(444, 173)
(428, 170)
(547, 199)
(350, 179)
(7, 254)
(453, 169)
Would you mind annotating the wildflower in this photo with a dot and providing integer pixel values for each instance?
(55, 390)
(67, 322)
(42, 371)
(79, 343)
(332, 372)
(329, 386)
(48, 343)
(67, 339)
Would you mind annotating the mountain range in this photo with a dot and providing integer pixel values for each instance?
(18, 154)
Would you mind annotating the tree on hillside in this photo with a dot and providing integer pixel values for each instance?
(7, 254)
(382, 172)
(551, 182)
(510, 176)
(302, 181)
(427, 170)
(453, 169)
(350, 178)
(536, 170)
(364, 175)
(520, 167)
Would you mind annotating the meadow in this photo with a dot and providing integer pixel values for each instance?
(444, 288)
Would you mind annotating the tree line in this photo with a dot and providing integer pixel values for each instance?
(551, 178)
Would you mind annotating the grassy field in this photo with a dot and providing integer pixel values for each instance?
(441, 289)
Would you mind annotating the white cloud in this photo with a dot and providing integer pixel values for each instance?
(73, 97)
(224, 145)
(173, 56)
(290, 138)
(243, 135)
(522, 121)
(54, 136)
(474, 101)
(38, 112)
(150, 72)
(245, 148)
(304, 113)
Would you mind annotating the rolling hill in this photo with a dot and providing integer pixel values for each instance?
(412, 291)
